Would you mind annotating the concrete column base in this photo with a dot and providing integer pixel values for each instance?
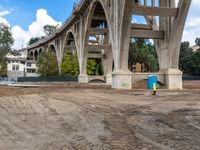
(83, 78)
(173, 79)
(122, 80)
(60, 70)
(109, 79)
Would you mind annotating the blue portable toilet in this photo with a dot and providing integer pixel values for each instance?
(151, 80)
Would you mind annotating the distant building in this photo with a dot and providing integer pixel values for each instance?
(20, 66)
(30, 68)
(23, 52)
(15, 66)
(195, 48)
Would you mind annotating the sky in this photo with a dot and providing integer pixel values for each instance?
(27, 18)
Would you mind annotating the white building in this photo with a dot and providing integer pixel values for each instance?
(195, 48)
(30, 69)
(20, 66)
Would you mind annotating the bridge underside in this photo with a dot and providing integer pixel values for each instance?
(101, 29)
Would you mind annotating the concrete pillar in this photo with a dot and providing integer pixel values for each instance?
(109, 79)
(108, 60)
(109, 67)
(168, 49)
(122, 80)
(122, 77)
(83, 54)
(83, 77)
(173, 79)
(59, 68)
(59, 53)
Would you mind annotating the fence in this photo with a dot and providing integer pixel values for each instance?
(190, 77)
(48, 79)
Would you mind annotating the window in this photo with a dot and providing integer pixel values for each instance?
(30, 70)
(28, 64)
(15, 67)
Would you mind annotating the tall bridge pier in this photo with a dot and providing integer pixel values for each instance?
(102, 29)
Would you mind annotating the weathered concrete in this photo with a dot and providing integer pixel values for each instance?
(109, 79)
(173, 79)
(83, 78)
(122, 80)
(102, 29)
(136, 77)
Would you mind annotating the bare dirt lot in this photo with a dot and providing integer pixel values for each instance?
(95, 117)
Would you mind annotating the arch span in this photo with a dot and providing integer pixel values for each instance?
(40, 51)
(70, 43)
(52, 48)
(98, 8)
(31, 56)
(96, 79)
(97, 43)
(36, 54)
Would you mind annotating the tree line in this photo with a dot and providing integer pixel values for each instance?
(6, 41)
(189, 61)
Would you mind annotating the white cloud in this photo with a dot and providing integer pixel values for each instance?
(4, 13)
(2, 19)
(192, 27)
(196, 2)
(34, 30)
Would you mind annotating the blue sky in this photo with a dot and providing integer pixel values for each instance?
(22, 12)
(27, 18)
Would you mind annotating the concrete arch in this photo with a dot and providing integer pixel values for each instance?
(31, 55)
(40, 51)
(70, 34)
(91, 12)
(52, 48)
(95, 5)
(96, 79)
(36, 54)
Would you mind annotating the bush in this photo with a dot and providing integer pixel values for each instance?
(47, 65)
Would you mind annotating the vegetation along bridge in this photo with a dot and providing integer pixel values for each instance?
(103, 28)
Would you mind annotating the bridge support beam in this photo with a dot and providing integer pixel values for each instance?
(107, 65)
(121, 37)
(122, 80)
(109, 79)
(83, 78)
(168, 49)
(173, 79)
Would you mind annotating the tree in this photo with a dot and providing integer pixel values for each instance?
(47, 65)
(70, 64)
(186, 63)
(33, 40)
(91, 67)
(142, 51)
(6, 41)
(196, 62)
(197, 41)
(48, 29)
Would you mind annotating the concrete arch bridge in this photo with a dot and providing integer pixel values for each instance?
(103, 28)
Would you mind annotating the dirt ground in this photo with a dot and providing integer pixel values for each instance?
(95, 117)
